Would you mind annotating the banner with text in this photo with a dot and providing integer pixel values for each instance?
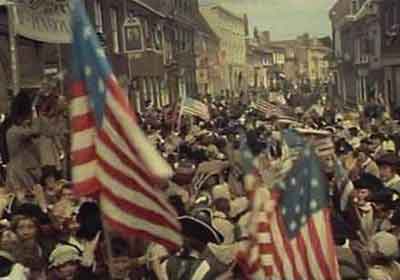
(44, 20)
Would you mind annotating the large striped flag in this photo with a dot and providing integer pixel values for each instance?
(196, 108)
(255, 257)
(291, 236)
(111, 157)
(300, 225)
(324, 146)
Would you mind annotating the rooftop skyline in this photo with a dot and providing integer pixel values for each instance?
(286, 19)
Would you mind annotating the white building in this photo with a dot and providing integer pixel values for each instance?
(230, 29)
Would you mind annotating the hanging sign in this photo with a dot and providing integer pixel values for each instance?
(44, 20)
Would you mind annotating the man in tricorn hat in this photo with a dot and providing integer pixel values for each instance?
(388, 164)
(190, 262)
(362, 212)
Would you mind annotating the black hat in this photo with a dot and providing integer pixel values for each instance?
(33, 211)
(368, 181)
(395, 220)
(376, 136)
(341, 229)
(366, 141)
(342, 147)
(256, 146)
(389, 159)
(386, 196)
(353, 130)
(49, 171)
(198, 155)
(89, 219)
(198, 226)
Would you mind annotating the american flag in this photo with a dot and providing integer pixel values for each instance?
(111, 157)
(196, 108)
(268, 108)
(255, 257)
(324, 146)
(292, 239)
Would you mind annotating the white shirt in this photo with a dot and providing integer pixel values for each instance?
(394, 183)
(226, 228)
(18, 272)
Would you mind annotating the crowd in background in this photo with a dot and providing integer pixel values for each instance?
(48, 233)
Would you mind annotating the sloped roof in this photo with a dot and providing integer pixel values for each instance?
(154, 6)
(204, 27)
(223, 10)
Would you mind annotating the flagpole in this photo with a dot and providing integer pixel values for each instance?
(107, 239)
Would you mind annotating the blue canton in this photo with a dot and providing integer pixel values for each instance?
(304, 192)
(89, 63)
(293, 140)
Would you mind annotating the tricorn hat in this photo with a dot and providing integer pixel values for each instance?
(198, 226)
(389, 159)
(368, 181)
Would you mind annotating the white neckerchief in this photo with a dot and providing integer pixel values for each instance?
(220, 215)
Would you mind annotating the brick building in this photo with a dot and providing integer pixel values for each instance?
(150, 44)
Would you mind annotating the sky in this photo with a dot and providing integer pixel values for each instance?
(284, 18)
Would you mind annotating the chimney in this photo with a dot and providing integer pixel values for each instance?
(266, 37)
(246, 25)
(256, 34)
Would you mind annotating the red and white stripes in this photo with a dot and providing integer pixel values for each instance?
(117, 160)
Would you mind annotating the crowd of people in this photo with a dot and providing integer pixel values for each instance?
(46, 232)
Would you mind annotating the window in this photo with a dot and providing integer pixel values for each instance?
(98, 16)
(391, 17)
(181, 40)
(169, 43)
(357, 50)
(147, 35)
(373, 46)
(146, 91)
(387, 21)
(185, 6)
(389, 90)
(114, 29)
(133, 35)
(157, 37)
(354, 6)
